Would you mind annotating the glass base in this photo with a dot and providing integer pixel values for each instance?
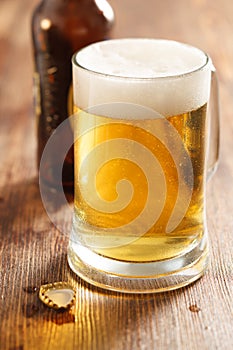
(127, 277)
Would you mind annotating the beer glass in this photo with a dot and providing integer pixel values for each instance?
(141, 130)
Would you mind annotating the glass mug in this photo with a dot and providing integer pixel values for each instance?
(142, 149)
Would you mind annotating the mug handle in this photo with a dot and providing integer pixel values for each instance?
(214, 126)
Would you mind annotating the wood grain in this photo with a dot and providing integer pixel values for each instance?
(33, 251)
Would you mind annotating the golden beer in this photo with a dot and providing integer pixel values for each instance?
(155, 244)
(140, 130)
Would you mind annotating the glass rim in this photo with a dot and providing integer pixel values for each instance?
(120, 77)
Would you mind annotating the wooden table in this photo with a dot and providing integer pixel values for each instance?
(34, 252)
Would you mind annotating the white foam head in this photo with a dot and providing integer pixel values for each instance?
(167, 76)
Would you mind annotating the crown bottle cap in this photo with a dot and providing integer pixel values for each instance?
(58, 295)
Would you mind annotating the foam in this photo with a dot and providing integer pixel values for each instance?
(167, 76)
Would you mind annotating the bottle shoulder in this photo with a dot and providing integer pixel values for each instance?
(90, 12)
(79, 24)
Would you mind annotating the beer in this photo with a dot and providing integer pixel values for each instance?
(140, 130)
(149, 245)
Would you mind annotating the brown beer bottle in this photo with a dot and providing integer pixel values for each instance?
(59, 28)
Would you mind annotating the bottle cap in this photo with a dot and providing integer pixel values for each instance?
(57, 295)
